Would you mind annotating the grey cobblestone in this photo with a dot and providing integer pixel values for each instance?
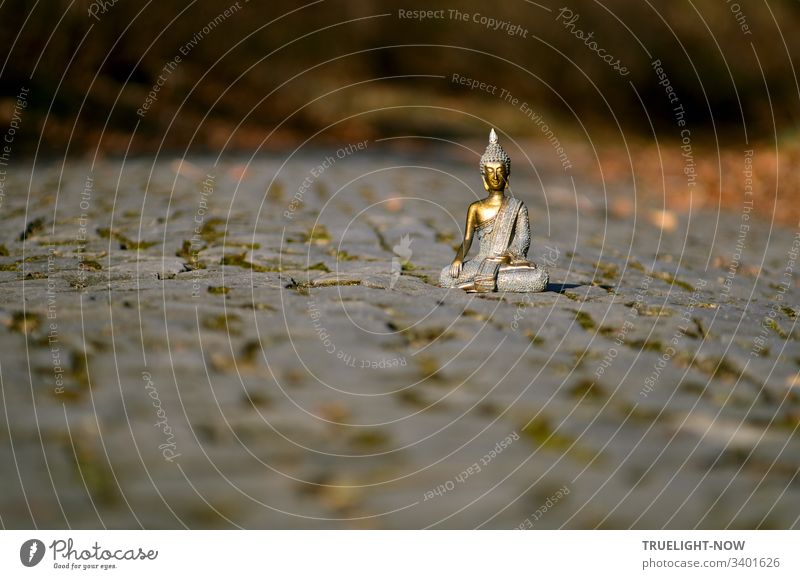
(304, 386)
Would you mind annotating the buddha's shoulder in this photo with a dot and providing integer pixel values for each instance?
(521, 203)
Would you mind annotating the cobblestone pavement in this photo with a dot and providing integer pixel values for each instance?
(181, 350)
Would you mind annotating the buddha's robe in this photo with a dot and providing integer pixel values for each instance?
(504, 240)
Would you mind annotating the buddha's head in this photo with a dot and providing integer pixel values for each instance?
(495, 165)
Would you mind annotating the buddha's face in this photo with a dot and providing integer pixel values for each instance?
(495, 177)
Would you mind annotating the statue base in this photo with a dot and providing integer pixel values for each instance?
(510, 278)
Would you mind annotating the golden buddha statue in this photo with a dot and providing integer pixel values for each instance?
(501, 223)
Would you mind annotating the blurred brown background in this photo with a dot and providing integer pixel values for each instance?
(272, 74)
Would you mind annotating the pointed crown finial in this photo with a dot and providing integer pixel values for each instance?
(495, 154)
